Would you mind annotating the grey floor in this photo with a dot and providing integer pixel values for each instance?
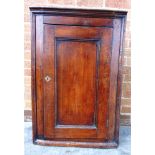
(31, 149)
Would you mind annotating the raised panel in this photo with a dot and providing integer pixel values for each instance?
(76, 63)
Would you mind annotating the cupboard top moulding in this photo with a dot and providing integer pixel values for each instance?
(79, 11)
(76, 76)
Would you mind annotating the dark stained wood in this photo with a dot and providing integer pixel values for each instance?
(81, 81)
(104, 80)
(78, 32)
(76, 76)
(114, 76)
(81, 21)
(49, 70)
(33, 77)
(106, 145)
(39, 86)
(78, 12)
(119, 82)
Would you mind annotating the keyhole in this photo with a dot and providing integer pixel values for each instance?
(47, 78)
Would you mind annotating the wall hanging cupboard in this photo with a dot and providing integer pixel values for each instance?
(76, 76)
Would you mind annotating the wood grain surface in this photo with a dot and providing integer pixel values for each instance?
(76, 76)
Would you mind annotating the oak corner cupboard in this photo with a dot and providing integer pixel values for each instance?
(76, 76)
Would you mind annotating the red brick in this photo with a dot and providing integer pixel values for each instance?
(26, 17)
(127, 52)
(126, 70)
(38, 1)
(26, 7)
(126, 90)
(126, 78)
(125, 116)
(128, 61)
(27, 80)
(27, 72)
(27, 36)
(127, 34)
(128, 23)
(118, 3)
(90, 3)
(126, 109)
(127, 43)
(27, 64)
(27, 27)
(27, 56)
(125, 102)
(32, 2)
(128, 26)
(62, 2)
(28, 104)
(27, 96)
(27, 89)
(124, 61)
(27, 45)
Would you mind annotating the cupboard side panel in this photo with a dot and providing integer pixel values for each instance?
(119, 80)
(113, 77)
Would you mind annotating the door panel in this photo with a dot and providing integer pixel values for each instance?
(77, 61)
(76, 82)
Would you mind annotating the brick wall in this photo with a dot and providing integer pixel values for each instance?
(119, 4)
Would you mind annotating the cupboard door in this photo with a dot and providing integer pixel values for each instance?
(76, 71)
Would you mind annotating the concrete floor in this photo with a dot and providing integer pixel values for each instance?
(31, 149)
